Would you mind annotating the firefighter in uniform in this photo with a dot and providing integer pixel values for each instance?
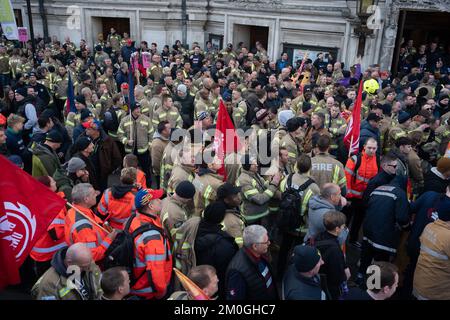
(136, 132)
(176, 208)
(336, 125)
(183, 169)
(155, 69)
(167, 112)
(293, 141)
(400, 130)
(139, 96)
(206, 182)
(326, 169)
(256, 192)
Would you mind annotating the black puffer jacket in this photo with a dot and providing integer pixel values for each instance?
(216, 248)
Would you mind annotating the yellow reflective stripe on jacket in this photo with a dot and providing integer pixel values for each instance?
(269, 192)
(250, 193)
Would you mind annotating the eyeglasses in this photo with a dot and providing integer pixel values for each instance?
(267, 242)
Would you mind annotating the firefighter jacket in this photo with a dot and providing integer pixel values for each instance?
(166, 165)
(180, 173)
(256, 194)
(206, 184)
(139, 130)
(432, 274)
(172, 115)
(325, 169)
(294, 149)
(173, 214)
(158, 145)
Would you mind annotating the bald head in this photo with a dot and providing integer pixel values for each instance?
(79, 254)
(329, 190)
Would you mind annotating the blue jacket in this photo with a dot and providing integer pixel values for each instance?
(367, 131)
(426, 208)
(386, 215)
(297, 287)
(15, 145)
(126, 53)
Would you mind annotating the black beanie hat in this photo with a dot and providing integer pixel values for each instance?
(215, 212)
(305, 258)
(185, 189)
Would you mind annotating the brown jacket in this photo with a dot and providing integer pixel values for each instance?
(158, 145)
(432, 275)
(109, 156)
(307, 143)
(415, 170)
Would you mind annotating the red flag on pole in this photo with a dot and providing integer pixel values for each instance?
(225, 138)
(351, 137)
(27, 208)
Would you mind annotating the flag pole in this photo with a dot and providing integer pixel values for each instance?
(90, 219)
(350, 149)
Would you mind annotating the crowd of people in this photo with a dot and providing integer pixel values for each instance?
(307, 222)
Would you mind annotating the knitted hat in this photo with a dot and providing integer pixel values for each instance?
(144, 196)
(403, 117)
(373, 116)
(443, 165)
(305, 258)
(80, 99)
(347, 103)
(22, 91)
(84, 114)
(82, 143)
(284, 116)
(387, 108)
(215, 212)
(185, 189)
(75, 164)
(54, 136)
(134, 106)
(292, 125)
(306, 106)
(182, 88)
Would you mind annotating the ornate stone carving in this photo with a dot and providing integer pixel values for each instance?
(258, 3)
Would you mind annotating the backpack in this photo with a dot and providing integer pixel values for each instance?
(184, 252)
(111, 124)
(290, 215)
(121, 250)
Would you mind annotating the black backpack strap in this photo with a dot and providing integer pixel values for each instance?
(305, 186)
(128, 223)
(289, 181)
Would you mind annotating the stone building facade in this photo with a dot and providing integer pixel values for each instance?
(296, 26)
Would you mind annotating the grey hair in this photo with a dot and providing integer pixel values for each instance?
(328, 190)
(80, 192)
(139, 88)
(253, 234)
(75, 251)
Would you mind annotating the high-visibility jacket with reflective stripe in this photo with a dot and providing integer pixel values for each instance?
(325, 169)
(179, 173)
(206, 186)
(139, 130)
(141, 178)
(79, 229)
(166, 165)
(234, 224)
(357, 181)
(256, 194)
(172, 115)
(153, 259)
(432, 274)
(46, 246)
(116, 211)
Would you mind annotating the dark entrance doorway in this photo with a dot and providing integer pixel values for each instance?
(249, 35)
(422, 28)
(120, 24)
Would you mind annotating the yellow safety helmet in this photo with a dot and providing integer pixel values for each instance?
(371, 86)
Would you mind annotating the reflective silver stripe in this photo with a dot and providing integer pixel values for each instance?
(380, 246)
(139, 263)
(51, 249)
(155, 257)
(418, 296)
(146, 234)
(58, 221)
(265, 271)
(107, 197)
(362, 178)
(105, 244)
(91, 245)
(348, 170)
(433, 253)
(118, 220)
(386, 194)
(145, 290)
(76, 225)
(354, 192)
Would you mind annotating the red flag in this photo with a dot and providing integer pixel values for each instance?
(27, 208)
(225, 138)
(351, 137)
